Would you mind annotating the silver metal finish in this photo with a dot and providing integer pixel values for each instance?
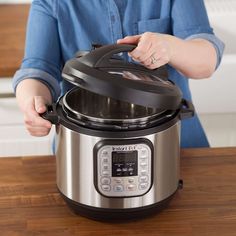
(75, 169)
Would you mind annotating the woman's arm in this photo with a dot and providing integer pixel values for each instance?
(37, 81)
(196, 58)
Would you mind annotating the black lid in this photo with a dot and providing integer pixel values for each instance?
(102, 72)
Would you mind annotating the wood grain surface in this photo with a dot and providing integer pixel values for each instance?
(31, 205)
(13, 20)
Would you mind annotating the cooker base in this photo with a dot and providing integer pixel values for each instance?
(118, 215)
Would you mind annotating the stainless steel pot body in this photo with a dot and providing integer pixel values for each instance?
(75, 168)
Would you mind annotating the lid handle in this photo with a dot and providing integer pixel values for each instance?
(100, 56)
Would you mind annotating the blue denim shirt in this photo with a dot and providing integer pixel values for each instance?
(57, 29)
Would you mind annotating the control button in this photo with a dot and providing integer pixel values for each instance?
(106, 188)
(105, 153)
(105, 173)
(131, 169)
(143, 158)
(131, 187)
(125, 169)
(105, 180)
(131, 180)
(118, 188)
(118, 181)
(143, 164)
(105, 160)
(143, 172)
(143, 186)
(105, 167)
(144, 152)
(118, 170)
(144, 168)
(143, 179)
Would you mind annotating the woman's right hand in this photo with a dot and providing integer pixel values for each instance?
(35, 124)
(33, 97)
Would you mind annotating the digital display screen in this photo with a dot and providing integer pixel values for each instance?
(124, 163)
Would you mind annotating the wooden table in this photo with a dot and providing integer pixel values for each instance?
(30, 204)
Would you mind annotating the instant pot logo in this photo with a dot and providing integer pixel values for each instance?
(124, 148)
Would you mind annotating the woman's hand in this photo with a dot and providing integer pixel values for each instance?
(194, 58)
(32, 97)
(153, 50)
(34, 123)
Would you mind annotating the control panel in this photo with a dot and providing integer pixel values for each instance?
(123, 170)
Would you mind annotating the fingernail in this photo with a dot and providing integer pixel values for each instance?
(39, 109)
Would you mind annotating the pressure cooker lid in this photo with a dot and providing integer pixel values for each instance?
(102, 72)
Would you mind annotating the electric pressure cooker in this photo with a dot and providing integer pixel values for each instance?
(117, 136)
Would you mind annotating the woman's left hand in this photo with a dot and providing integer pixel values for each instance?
(153, 50)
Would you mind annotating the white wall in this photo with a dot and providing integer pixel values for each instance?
(217, 94)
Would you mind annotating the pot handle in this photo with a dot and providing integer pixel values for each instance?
(187, 110)
(51, 114)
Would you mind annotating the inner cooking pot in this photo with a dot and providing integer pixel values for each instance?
(84, 105)
(97, 110)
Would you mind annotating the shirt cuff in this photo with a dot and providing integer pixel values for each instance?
(217, 43)
(42, 76)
